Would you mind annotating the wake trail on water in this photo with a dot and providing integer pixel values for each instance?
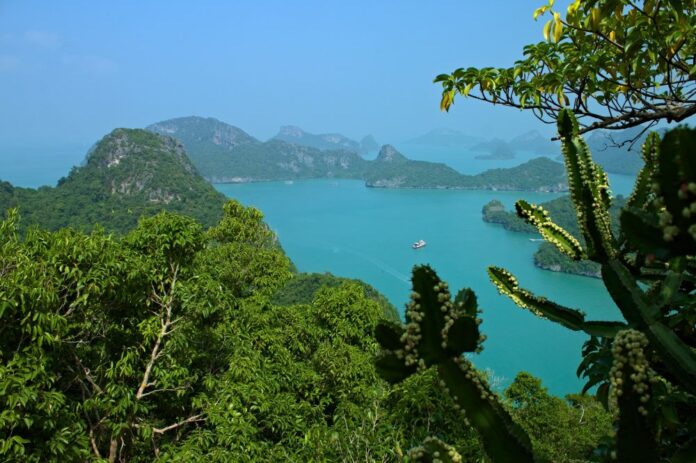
(386, 268)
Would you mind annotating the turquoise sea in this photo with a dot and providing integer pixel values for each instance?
(342, 227)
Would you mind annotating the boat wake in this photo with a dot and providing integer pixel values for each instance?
(386, 268)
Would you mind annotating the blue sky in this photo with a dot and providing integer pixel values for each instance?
(71, 71)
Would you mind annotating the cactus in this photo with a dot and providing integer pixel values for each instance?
(570, 318)
(655, 250)
(631, 384)
(554, 234)
(438, 331)
(644, 366)
(434, 450)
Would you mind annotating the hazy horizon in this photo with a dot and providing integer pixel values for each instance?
(71, 73)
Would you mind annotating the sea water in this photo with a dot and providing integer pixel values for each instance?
(343, 227)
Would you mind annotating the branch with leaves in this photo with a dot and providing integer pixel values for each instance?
(616, 63)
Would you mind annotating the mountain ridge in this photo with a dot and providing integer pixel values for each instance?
(278, 159)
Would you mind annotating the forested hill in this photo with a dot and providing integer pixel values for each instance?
(129, 173)
(226, 154)
(395, 171)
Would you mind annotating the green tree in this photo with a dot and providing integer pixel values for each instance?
(107, 342)
(616, 63)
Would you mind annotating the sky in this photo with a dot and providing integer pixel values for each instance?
(72, 71)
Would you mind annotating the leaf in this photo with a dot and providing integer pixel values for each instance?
(467, 89)
(539, 11)
(446, 101)
(557, 28)
(547, 30)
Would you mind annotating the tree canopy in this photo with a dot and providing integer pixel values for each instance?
(615, 63)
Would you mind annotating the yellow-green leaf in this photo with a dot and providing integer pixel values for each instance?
(446, 101)
(558, 28)
(467, 89)
(539, 11)
(547, 29)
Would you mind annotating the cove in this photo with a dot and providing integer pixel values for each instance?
(343, 227)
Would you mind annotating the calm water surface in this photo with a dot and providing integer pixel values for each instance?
(342, 227)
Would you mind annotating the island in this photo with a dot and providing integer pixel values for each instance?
(562, 213)
(226, 154)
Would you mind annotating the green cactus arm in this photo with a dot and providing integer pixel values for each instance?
(503, 440)
(589, 190)
(391, 367)
(388, 334)
(538, 217)
(631, 387)
(679, 358)
(641, 189)
(437, 332)
(434, 450)
(570, 318)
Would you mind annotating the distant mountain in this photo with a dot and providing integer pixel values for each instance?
(535, 142)
(325, 141)
(221, 161)
(368, 144)
(447, 138)
(390, 154)
(252, 160)
(497, 149)
(129, 173)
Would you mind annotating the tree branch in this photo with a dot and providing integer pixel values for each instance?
(167, 305)
(191, 419)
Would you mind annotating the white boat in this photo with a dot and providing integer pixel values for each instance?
(418, 244)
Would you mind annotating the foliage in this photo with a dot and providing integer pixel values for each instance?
(128, 174)
(561, 430)
(616, 63)
(302, 288)
(540, 174)
(165, 345)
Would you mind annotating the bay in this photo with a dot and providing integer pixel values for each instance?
(342, 227)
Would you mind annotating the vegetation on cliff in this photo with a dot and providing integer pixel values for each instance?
(129, 173)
